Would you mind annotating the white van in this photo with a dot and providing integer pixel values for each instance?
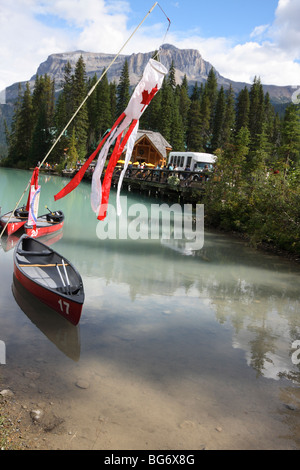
(195, 161)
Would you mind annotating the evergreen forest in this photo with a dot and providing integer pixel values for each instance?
(255, 187)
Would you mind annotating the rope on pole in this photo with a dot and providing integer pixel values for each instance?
(83, 102)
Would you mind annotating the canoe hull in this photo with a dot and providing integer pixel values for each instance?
(45, 225)
(40, 231)
(68, 306)
(13, 225)
(62, 305)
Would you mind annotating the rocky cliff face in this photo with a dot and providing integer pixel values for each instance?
(187, 62)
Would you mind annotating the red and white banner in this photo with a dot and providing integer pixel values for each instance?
(127, 123)
(33, 198)
(34, 205)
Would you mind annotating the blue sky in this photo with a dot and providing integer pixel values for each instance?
(240, 38)
(228, 18)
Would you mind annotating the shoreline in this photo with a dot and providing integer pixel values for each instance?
(264, 247)
(261, 246)
(21, 429)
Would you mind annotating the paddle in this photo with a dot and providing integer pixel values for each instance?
(52, 213)
(68, 282)
(40, 265)
(61, 278)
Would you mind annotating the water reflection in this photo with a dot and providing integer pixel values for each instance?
(255, 295)
(169, 337)
(9, 242)
(57, 329)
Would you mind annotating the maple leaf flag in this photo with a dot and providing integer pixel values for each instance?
(127, 123)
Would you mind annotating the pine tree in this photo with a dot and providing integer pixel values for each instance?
(184, 104)
(171, 76)
(80, 123)
(196, 92)
(73, 155)
(104, 115)
(256, 111)
(24, 130)
(193, 138)
(60, 121)
(276, 140)
(205, 121)
(229, 117)
(259, 161)
(238, 161)
(291, 137)
(43, 114)
(217, 138)
(242, 109)
(113, 101)
(167, 109)
(123, 95)
(12, 135)
(177, 133)
(67, 93)
(211, 89)
(92, 109)
(63, 113)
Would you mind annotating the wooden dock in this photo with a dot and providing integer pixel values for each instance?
(180, 186)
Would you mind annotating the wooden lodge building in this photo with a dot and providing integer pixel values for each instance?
(150, 147)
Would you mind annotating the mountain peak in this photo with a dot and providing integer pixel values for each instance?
(187, 62)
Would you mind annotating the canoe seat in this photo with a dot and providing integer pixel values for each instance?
(57, 216)
(34, 253)
(75, 290)
(70, 290)
(21, 212)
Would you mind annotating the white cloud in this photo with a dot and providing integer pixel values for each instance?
(259, 30)
(272, 54)
(286, 27)
(26, 39)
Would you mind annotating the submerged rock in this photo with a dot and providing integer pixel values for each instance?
(7, 393)
(82, 384)
(36, 415)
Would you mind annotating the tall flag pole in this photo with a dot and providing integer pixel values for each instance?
(127, 123)
(80, 106)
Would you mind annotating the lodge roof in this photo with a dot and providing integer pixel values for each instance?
(156, 139)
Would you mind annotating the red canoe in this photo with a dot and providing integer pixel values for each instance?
(14, 220)
(50, 277)
(45, 224)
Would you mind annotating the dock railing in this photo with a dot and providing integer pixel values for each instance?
(164, 176)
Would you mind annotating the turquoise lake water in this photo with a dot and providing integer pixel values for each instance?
(177, 348)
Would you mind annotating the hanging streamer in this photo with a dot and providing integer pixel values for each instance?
(127, 123)
(33, 198)
(76, 182)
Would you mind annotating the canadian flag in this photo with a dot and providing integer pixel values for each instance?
(123, 132)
